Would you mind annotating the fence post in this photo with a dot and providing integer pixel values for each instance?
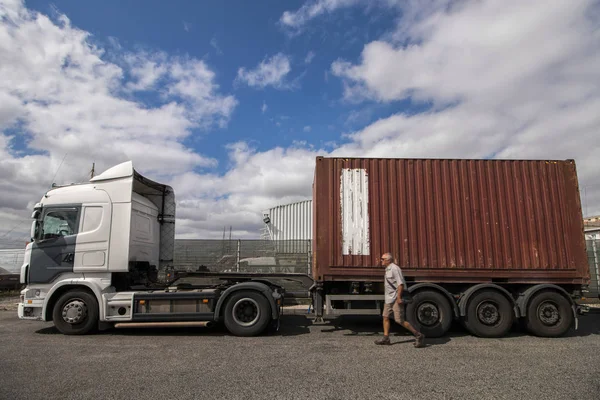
(239, 242)
(309, 255)
(596, 265)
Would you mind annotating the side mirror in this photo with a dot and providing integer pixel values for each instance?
(33, 229)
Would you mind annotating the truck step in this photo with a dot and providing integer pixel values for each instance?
(175, 324)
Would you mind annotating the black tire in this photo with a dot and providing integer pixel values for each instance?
(247, 313)
(489, 314)
(78, 306)
(549, 314)
(430, 313)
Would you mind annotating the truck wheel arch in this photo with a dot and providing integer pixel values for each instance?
(60, 289)
(255, 286)
(464, 300)
(524, 298)
(432, 286)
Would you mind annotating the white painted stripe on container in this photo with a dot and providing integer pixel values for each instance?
(354, 197)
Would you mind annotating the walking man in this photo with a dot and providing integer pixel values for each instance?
(394, 285)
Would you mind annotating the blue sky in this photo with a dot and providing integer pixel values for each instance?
(242, 34)
(230, 102)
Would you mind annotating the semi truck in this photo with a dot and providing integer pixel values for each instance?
(489, 243)
(96, 253)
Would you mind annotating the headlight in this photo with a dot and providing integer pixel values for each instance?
(35, 294)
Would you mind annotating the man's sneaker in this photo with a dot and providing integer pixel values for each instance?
(383, 341)
(419, 340)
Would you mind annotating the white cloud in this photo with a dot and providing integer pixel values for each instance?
(184, 78)
(411, 11)
(60, 95)
(251, 185)
(307, 128)
(508, 79)
(194, 82)
(187, 26)
(270, 72)
(309, 57)
(146, 70)
(313, 9)
(215, 45)
(264, 107)
(532, 102)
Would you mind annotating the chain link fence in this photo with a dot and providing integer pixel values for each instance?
(258, 256)
(248, 256)
(11, 260)
(593, 251)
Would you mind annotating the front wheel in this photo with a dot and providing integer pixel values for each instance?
(247, 313)
(430, 312)
(75, 313)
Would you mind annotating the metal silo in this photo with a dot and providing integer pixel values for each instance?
(290, 226)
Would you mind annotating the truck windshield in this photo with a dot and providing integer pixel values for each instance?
(59, 223)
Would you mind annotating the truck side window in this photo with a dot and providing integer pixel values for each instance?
(57, 223)
(92, 218)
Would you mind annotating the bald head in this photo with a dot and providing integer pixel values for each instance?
(386, 259)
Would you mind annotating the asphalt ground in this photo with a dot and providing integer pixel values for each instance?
(337, 360)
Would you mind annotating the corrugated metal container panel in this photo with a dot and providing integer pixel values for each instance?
(291, 221)
(449, 220)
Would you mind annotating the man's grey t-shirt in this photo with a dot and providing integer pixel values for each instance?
(393, 277)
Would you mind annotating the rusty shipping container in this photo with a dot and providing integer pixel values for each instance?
(449, 220)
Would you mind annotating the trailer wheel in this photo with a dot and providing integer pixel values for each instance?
(489, 314)
(247, 313)
(430, 312)
(75, 313)
(549, 314)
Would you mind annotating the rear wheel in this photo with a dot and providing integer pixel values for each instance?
(430, 313)
(76, 313)
(489, 314)
(549, 314)
(247, 313)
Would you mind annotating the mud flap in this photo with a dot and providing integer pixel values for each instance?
(574, 308)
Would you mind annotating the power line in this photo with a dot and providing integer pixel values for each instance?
(13, 228)
(58, 169)
(584, 189)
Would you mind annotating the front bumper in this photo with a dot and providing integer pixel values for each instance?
(31, 311)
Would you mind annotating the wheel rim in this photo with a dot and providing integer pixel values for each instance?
(246, 312)
(74, 311)
(488, 313)
(428, 314)
(548, 313)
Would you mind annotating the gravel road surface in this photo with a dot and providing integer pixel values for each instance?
(337, 360)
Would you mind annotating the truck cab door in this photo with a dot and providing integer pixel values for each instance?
(53, 251)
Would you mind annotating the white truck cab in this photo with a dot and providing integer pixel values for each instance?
(96, 252)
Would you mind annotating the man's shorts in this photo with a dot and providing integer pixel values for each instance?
(396, 309)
